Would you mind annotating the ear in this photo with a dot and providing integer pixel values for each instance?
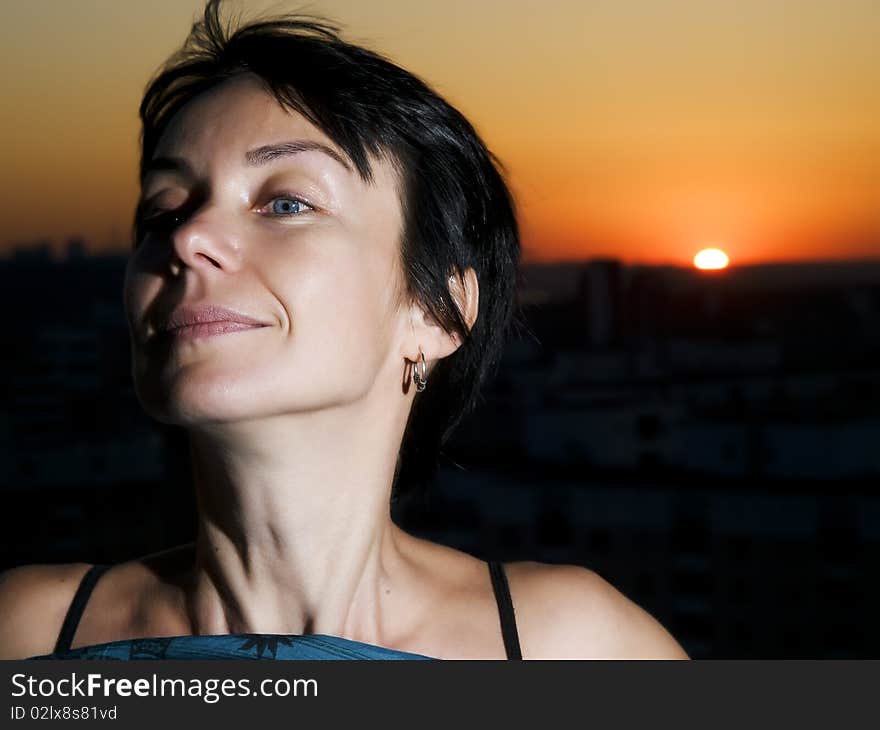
(466, 292)
(430, 336)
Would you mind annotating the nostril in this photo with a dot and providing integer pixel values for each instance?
(216, 264)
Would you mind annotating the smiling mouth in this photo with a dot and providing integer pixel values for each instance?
(204, 330)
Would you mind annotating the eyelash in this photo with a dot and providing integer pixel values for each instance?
(159, 217)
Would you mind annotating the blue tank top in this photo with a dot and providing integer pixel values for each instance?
(253, 646)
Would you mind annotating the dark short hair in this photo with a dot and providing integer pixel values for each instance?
(457, 209)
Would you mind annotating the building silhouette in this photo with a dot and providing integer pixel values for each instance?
(708, 445)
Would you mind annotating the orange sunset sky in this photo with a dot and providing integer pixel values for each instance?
(643, 130)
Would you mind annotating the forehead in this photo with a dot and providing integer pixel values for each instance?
(237, 122)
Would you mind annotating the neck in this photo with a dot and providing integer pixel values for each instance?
(296, 539)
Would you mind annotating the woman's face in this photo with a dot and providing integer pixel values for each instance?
(294, 239)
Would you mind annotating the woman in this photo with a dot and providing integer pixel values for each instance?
(324, 270)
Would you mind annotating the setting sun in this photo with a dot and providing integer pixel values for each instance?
(711, 258)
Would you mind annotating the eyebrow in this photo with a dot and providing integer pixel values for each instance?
(270, 152)
(253, 158)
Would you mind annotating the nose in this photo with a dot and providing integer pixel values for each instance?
(203, 241)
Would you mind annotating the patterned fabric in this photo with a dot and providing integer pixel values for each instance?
(236, 646)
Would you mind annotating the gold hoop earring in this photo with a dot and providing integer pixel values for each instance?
(420, 378)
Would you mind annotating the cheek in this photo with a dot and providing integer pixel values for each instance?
(139, 290)
(337, 305)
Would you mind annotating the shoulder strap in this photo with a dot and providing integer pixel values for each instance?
(505, 609)
(77, 605)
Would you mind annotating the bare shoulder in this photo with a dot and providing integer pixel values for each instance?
(33, 602)
(571, 612)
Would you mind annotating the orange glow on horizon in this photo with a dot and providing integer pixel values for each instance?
(703, 124)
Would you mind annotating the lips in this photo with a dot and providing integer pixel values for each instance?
(207, 329)
(203, 314)
(196, 321)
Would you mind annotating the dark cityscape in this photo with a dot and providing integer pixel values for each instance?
(706, 441)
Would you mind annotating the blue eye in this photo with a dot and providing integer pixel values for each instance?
(288, 206)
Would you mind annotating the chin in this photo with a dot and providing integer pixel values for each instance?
(190, 404)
